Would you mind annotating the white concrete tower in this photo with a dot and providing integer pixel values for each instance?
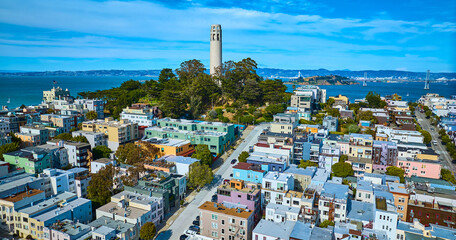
(216, 48)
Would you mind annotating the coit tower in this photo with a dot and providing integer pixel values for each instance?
(216, 48)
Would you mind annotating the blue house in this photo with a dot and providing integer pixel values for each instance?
(250, 172)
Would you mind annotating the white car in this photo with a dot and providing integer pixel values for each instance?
(190, 233)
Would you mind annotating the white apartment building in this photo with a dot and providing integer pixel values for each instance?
(95, 138)
(61, 180)
(275, 186)
(140, 113)
(281, 213)
(332, 205)
(386, 217)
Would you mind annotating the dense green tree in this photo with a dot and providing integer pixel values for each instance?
(370, 132)
(15, 139)
(133, 174)
(199, 175)
(447, 176)
(343, 158)
(273, 90)
(64, 136)
(130, 85)
(354, 106)
(273, 109)
(101, 151)
(7, 148)
(189, 70)
(203, 153)
(353, 128)
(80, 139)
(427, 136)
(333, 112)
(101, 186)
(326, 223)
(91, 115)
(148, 231)
(243, 156)
(129, 153)
(252, 92)
(395, 171)
(367, 116)
(166, 74)
(374, 101)
(342, 169)
(428, 114)
(304, 164)
(173, 103)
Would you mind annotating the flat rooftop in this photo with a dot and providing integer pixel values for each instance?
(69, 206)
(170, 142)
(276, 176)
(120, 226)
(47, 203)
(129, 212)
(220, 208)
(21, 196)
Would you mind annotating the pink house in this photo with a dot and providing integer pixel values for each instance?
(419, 167)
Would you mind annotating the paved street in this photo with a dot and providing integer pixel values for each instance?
(439, 148)
(185, 219)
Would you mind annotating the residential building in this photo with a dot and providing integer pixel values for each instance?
(364, 191)
(360, 145)
(250, 172)
(275, 186)
(281, 213)
(438, 208)
(302, 176)
(21, 182)
(226, 221)
(307, 99)
(95, 138)
(331, 123)
(160, 165)
(182, 163)
(284, 123)
(33, 135)
(60, 180)
(55, 93)
(217, 136)
(58, 154)
(78, 152)
(417, 230)
(95, 105)
(168, 146)
(32, 220)
(100, 163)
(240, 192)
(68, 230)
(333, 202)
(362, 212)
(105, 228)
(328, 157)
(117, 132)
(269, 230)
(384, 155)
(401, 199)
(32, 159)
(320, 177)
(59, 121)
(420, 167)
(13, 202)
(133, 208)
(275, 162)
(386, 216)
(141, 113)
(81, 180)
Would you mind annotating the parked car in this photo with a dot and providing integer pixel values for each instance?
(198, 217)
(233, 161)
(226, 180)
(214, 198)
(196, 222)
(231, 175)
(183, 237)
(194, 228)
(190, 232)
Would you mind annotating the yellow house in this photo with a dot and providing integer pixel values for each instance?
(117, 132)
(176, 147)
(29, 139)
(341, 99)
(381, 137)
(401, 197)
(360, 146)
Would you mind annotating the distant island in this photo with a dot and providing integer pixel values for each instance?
(323, 80)
(267, 73)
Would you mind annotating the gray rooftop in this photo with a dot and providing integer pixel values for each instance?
(281, 177)
(278, 230)
(120, 226)
(338, 191)
(282, 209)
(46, 203)
(301, 231)
(293, 169)
(361, 211)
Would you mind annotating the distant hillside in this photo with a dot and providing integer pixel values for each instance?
(286, 75)
(324, 80)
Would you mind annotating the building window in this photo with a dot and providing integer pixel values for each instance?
(214, 234)
(214, 217)
(214, 225)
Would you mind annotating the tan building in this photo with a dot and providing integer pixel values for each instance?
(117, 132)
(341, 99)
(176, 147)
(226, 221)
(401, 197)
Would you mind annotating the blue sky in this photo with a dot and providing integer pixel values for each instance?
(37, 35)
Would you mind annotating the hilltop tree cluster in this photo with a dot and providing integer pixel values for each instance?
(190, 91)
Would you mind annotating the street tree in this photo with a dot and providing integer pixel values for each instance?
(200, 175)
(427, 136)
(203, 153)
(129, 154)
(243, 156)
(101, 186)
(80, 139)
(64, 136)
(148, 231)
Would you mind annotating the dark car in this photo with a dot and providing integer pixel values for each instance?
(231, 175)
(233, 161)
(183, 237)
(214, 198)
(196, 222)
(198, 217)
(194, 228)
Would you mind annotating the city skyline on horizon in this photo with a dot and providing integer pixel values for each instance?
(95, 35)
